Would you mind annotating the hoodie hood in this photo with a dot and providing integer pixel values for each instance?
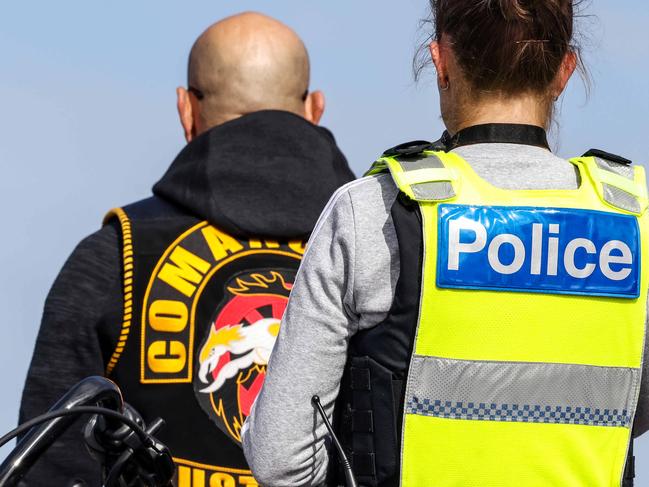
(266, 174)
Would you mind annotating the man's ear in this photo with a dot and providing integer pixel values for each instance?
(186, 113)
(314, 107)
(568, 66)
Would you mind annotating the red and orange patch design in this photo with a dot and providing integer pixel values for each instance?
(211, 315)
(231, 364)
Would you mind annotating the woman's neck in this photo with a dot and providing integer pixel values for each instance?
(524, 109)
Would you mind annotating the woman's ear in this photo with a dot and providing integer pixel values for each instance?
(441, 64)
(314, 107)
(566, 70)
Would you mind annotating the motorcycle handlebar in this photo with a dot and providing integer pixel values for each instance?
(91, 391)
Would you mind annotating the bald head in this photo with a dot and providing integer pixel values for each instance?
(246, 63)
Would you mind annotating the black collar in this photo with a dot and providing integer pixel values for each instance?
(503, 133)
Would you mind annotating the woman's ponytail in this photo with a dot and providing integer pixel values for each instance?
(508, 46)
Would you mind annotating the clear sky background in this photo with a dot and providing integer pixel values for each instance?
(89, 120)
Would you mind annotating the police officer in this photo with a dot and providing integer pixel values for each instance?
(178, 297)
(473, 317)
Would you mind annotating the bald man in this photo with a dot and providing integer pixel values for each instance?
(178, 297)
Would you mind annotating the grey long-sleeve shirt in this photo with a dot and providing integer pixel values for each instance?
(345, 284)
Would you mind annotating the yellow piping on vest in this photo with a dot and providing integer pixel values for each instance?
(127, 257)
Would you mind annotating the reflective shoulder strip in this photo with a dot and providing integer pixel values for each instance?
(127, 256)
(620, 182)
(423, 178)
(427, 175)
(622, 187)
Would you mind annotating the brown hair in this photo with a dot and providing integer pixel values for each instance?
(506, 46)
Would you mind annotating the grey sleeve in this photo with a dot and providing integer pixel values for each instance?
(73, 342)
(284, 439)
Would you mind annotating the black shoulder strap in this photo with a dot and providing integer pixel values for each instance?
(607, 156)
(418, 146)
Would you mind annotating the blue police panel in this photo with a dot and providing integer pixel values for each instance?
(543, 250)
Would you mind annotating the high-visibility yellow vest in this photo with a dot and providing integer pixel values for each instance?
(528, 354)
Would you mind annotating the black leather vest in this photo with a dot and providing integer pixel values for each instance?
(201, 313)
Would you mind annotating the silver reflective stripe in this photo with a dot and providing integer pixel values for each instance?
(521, 392)
(616, 196)
(621, 169)
(621, 199)
(434, 191)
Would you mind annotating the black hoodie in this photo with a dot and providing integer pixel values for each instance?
(265, 174)
(269, 174)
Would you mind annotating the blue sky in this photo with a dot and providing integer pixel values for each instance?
(88, 115)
